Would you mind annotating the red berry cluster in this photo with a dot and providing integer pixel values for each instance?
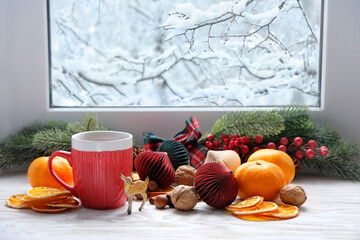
(243, 145)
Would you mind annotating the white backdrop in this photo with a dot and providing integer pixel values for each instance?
(24, 76)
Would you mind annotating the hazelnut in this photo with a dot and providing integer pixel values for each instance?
(184, 175)
(293, 194)
(152, 186)
(161, 201)
(184, 197)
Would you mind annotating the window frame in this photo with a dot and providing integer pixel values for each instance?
(321, 77)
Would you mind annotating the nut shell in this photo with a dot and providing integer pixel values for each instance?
(184, 197)
(157, 166)
(161, 201)
(293, 194)
(216, 185)
(185, 175)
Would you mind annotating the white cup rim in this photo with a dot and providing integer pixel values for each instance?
(98, 141)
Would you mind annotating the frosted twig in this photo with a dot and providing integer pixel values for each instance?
(100, 83)
(307, 22)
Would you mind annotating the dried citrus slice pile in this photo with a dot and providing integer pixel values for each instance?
(44, 200)
(255, 209)
(160, 191)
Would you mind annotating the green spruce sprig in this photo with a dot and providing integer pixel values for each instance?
(343, 161)
(251, 123)
(41, 139)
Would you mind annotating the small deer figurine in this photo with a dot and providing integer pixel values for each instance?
(132, 188)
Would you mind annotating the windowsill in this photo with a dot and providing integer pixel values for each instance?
(330, 212)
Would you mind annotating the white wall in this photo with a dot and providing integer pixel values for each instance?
(24, 76)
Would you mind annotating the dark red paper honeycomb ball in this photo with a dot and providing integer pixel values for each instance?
(216, 185)
(157, 166)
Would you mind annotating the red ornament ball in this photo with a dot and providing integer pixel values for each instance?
(216, 185)
(157, 166)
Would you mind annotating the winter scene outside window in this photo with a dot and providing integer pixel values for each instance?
(185, 53)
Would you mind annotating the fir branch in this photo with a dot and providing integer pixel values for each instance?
(343, 160)
(265, 123)
(18, 148)
(51, 140)
(295, 117)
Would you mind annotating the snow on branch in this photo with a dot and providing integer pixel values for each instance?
(229, 18)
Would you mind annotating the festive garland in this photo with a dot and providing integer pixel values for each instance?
(343, 159)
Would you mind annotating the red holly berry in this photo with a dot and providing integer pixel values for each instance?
(312, 144)
(284, 141)
(247, 140)
(209, 144)
(224, 136)
(224, 147)
(255, 149)
(243, 139)
(310, 153)
(271, 145)
(244, 149)
(210, 137)
(258, 139)
(232, 143)
(216, 143)
(298, 141)
(216, 148)
(282, 148)
(299, 154)
(323, 150)
(237, 143)
(226, 140)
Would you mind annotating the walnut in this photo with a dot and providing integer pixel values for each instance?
(152, 186)
(184, 197)
(161, 201)
(185, 175)
(293, 194)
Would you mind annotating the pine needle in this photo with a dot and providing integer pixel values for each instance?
(252, 123)
(343, 161)
(51, 140)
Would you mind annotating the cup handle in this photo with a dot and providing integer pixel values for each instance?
(67, 156)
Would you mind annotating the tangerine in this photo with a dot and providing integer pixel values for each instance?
(259, 178)
(39, 175)
(280, 158)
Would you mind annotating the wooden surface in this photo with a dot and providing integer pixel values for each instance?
(332, 211)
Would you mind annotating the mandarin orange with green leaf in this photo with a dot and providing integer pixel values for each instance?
(280, 158)
(259, 178)
(39, 175)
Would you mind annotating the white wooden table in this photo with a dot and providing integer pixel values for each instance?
(332, 211)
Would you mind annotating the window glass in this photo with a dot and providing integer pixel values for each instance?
(181, 53)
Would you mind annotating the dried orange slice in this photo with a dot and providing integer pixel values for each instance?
(284, 211)
(69, 202)
(46, 192)
(258, 218)
(160, 191)
(15, 201)
(262, 207)
(48, 209)
(249, 202)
